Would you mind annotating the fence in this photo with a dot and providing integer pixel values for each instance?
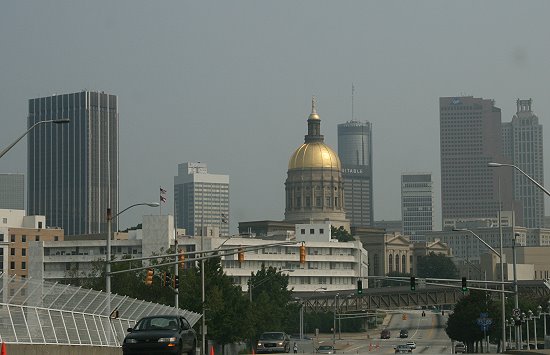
(41, 312)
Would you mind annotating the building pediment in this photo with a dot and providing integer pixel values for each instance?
(397, 240)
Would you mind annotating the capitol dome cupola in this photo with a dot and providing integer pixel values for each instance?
(314, 186)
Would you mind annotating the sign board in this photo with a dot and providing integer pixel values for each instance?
(516, 312)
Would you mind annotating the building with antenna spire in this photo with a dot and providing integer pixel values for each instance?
(355, 152)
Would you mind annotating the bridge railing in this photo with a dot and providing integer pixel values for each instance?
(33, 311)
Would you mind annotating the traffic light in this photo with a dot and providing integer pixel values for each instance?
(302, 254)
(241, 255)
(359, 287)
(413, 283)
(176, 284)
(464, 285)
(149, 277)
(181, 259)
(166, 277)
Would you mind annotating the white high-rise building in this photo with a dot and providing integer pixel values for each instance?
(201, 199)
(417, 204)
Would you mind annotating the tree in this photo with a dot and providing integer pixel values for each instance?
(341, 234)
(462, 324)
(436, 266)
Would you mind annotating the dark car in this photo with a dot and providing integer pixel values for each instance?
(403, 333)
(273, 342)
(160, 335)
(385, 334)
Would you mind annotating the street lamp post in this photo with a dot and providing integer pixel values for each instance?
(527, 319)
(302, 311)
(498, 165)
(516, 296)
(502, 299)
(110, 218)
(544, 314)
(59, 121)
(334, 323)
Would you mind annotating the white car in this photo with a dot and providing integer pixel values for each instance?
(411, 344)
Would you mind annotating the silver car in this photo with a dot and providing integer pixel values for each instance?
(273, 342)
(325, 349)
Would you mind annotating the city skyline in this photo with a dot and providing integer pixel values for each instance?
(229, 84)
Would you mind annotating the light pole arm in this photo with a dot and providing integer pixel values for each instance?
(152, 204)
(478, 238)
(498, 165)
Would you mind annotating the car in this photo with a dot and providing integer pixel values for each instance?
(460, 348)
(403, 333)
(325, 349)
(385, 334)
(402, 349)
(273, 342)
(411, 344)
(161, 334)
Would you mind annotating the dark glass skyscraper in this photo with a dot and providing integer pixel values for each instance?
(355, 152)
(73, 168)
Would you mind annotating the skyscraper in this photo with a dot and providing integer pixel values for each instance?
(523, 143)
(416, 204)
(470, 138)
(201, 199)
(12, 191)
(355, 152)
(73, 168)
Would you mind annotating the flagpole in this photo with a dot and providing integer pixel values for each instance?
(160, 200)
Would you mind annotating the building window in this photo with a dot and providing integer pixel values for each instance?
(24, 238)
(23, 265)
(56, 238)
(321, 231)
(13, 238)
(1, 237)
(24, 252)
(37, 238)
(12, 251)
(302, 231)
(5, 220)
(67, 266)
(12, 265)
(318, 202)
(311, 231)
(40, 225)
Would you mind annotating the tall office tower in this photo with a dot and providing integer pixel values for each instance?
(73, 168)
(201, 199)
(522, 140)
(355, 152)
(12, 191)
(416, 204)
(470, 138)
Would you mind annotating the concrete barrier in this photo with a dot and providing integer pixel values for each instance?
(42, 349)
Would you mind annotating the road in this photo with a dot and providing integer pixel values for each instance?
(427, 332)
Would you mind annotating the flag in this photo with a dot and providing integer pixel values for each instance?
(162, 199)
(162, 191)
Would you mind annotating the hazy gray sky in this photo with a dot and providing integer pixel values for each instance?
(229, 83)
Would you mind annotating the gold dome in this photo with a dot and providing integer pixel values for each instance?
(314, 155)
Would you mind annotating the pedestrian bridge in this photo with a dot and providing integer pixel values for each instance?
(41, 312)
(399, 297)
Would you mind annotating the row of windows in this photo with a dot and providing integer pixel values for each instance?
(23, 265)
(24, 238)
(23, 252)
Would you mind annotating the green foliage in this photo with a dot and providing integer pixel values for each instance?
(436, 266)
(462, 323)
(341, 234)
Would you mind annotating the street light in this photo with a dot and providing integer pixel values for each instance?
(499, 165)
(334, 325)
(110, 218)
(535, 317)
(59, 121)
(544, 314)
(302, 311)
(503, 308)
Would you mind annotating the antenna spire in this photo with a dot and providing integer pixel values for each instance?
(313, 104)
(352, 94)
